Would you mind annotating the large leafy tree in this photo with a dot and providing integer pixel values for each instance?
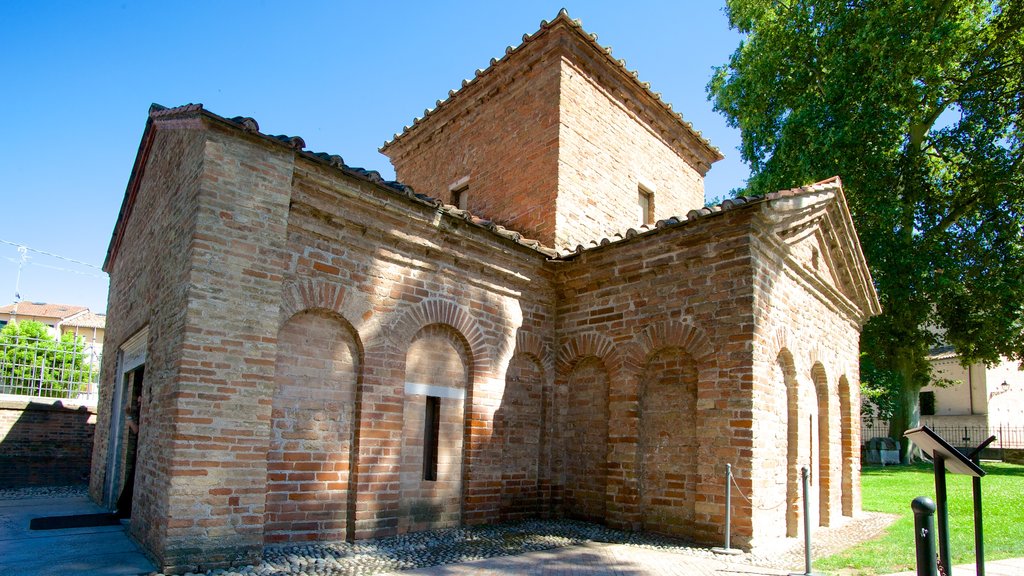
(917, 105)
(35, 363)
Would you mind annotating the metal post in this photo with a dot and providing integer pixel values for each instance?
(805, 478)
(924, 535)
(979, 533)
(942, 511)
(728, 503)
(728, 515)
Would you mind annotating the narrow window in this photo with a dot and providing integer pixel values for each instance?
(431, 434)
(459, 197)
(645, 205)
(927, 400)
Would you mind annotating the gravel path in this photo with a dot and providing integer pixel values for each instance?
(423, 549)
(438, 547)
(71, 491)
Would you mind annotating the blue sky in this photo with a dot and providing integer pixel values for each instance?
(345, 76)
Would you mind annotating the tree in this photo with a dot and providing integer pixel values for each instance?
(917, 105)
(34, 363)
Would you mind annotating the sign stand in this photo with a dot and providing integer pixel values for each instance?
(945, 457)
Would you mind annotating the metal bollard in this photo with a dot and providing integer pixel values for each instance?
(806, 480)
(728, 515)
(924, 535)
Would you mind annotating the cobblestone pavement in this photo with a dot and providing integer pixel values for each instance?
(545, 547)
(599, 559)
(535, 547)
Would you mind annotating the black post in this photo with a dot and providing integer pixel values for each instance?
(979, 533)
(924, 535)
(942, 509)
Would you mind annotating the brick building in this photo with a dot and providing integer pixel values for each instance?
(542, 319)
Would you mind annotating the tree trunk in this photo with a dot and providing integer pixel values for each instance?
(907, 414)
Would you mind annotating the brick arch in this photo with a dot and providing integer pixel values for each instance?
(436, 311)
(849, 444)
(672, 334)
(590, 344)
(780, 341)
(313, 410)
(819, 377)
(530, 344)
(823, 361)
(318, 294)
(787, 367)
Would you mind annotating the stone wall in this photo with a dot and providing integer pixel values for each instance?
(45, 442)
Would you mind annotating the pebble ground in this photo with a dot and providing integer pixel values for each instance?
(458, 545)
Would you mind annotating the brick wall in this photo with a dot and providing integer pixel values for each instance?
(311, 430)
(304, 316)
(45, 443)
(607, 151)
(503, 144)
(555, 144)
(436, 367)
(149, 287)
(806, 369)
(680, 300)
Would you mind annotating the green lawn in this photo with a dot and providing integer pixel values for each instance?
(891, 489)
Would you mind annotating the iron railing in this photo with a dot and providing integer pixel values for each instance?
(958, 436)
(63, 368)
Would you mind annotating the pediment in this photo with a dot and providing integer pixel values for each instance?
(816, 237)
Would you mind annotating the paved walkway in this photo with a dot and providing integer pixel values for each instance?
(107, 550)
(597, 559)
(104, 550)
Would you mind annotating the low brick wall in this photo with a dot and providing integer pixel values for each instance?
(44, 442)
(1013, 455)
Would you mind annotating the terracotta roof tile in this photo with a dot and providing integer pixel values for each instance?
(42, 309)
(296, 143)
(87, 319)
(699, 214)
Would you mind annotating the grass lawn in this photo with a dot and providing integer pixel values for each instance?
(891, 489)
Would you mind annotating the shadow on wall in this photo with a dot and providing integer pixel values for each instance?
(45, 444)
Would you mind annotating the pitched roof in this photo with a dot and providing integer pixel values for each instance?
(700, 214)
(562, 20)
(786, 209)
(814, 194)
(87, 319)
(43, 310)
(158, 113)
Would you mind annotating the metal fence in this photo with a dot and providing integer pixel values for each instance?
(64, 368)
(958, 436)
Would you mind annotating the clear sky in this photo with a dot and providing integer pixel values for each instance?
(78, 79)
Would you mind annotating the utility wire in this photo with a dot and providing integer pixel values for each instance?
(79, 272)
(52, 255)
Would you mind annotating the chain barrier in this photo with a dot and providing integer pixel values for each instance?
(744, 496)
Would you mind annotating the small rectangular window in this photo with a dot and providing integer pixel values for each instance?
(431, 435)
(927, 400)
(645, 206)
(459, 196)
